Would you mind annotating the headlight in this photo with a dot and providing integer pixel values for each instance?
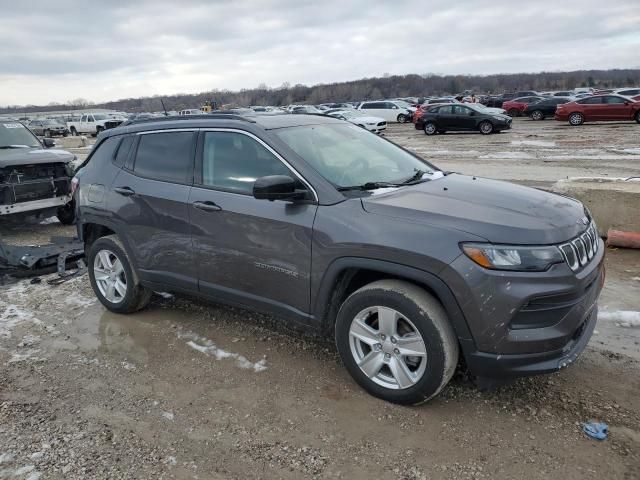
(513, 257)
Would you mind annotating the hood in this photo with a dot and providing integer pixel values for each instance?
(30, 156)
(500, 212)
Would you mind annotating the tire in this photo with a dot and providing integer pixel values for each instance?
(74, 132)
(485, 127)
(430, 128)
(401, 118)
(128, 299)
(576, 119)
(537, 115)
(638, 117)
(418, 324)
(67, 214)
(513, 112)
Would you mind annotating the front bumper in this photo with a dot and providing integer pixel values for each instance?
(35, 205)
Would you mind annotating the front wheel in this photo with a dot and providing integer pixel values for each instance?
(401, 118)
(576, 119)
(430, 128)
(112, 277)
(74, 132)
(395, 340)
(513, 112)
(537, 115)
(638, 117)
(486, 127)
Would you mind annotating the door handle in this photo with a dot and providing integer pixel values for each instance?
(207, 206)
(126, 191)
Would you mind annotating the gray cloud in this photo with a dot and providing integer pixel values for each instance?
(109, 50)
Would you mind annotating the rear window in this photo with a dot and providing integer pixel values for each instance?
(166, 156)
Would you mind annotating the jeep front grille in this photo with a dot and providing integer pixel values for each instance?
(579, 251)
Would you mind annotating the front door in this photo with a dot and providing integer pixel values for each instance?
(254, 252)
(150, 200)
(464, 117)
(617, 108)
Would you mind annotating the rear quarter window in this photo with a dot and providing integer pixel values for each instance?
(104, 152)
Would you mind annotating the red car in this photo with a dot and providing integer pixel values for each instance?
(599, 108)
(423, 108)
(516, 106)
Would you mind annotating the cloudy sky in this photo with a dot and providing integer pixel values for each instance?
(106, 50)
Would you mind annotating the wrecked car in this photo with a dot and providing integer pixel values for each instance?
(34, 180)
(315, 220)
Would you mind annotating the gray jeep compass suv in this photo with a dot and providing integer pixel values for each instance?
(315, 220)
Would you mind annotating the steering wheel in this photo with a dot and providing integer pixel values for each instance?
(356, 164)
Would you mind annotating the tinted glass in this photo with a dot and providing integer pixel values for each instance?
(233, 161)
(123, 151)
(632, 92)
(165, 156)
(448, 110)
(613, 99)
(103, 153)
(460, 110)
(591, 101)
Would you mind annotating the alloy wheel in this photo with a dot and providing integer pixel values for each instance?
(429, 129)
(537, 115)
(575, 119)
(110, 276)
(387, 347)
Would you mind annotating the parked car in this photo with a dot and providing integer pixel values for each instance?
(627, 92)
(190, 111)
(307, 217)
(388, 110)
(93, 124)
(433, 101)
(565, 93)
(33, 179)
(544, 108)
(461, 117)
(496, 101)
(48, 128)
(515, 107)
(306, 109)
(599, 108)
(373, 124)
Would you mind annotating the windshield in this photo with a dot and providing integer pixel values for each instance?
(347, 155)
(100, 116)
(16, 135)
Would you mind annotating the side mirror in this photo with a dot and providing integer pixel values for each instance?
(48, 142)
(276, 187)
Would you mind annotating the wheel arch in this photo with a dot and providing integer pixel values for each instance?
(347, 274)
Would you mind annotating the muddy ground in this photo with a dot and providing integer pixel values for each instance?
(186, 389)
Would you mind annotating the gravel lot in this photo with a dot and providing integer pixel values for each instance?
(192, 390)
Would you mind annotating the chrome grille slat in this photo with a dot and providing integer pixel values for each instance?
(582, 249)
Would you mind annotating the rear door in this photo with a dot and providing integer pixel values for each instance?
(445, 118)
(149, 199)
(255, 252)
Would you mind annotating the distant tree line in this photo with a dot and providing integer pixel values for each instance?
(388, 86)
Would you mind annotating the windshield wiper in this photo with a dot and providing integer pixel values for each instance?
(369, 186)
(416, 177)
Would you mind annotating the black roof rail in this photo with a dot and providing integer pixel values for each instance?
(204, 116)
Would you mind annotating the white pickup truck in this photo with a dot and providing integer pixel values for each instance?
(93, 124)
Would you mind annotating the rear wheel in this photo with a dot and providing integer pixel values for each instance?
(395, 340)
(485, 127)
(537, 115)
(112, 277)
(576, 119)
(513, 112)
(638, 117)
(430, 128)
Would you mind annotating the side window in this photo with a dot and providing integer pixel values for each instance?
(390, 106)
(370, 106)
(103, 153)
(448, 110)
(165, 156)
(233, 161)
(123, 151)
(613, 100)
(460, 110)
(83, 118)
(591, 101)
(89, 118)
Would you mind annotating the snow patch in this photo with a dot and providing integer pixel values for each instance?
(534, 143)
(206, 346)
(6, 457)
(168, 415)
(23, 356)
(622, 318)
(11, 317)
(507, 156)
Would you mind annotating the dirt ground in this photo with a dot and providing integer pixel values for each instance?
(186, 389)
